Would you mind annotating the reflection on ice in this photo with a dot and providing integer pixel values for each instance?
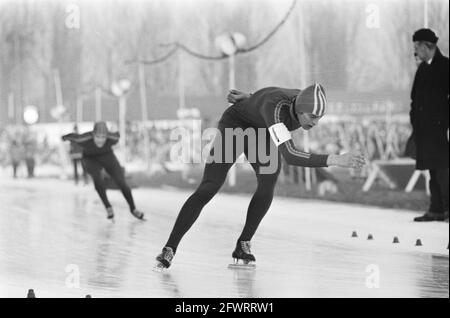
(46, 225)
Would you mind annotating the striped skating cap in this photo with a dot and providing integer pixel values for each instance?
(311, 100)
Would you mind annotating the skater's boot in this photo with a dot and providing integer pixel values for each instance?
(137, 214)
(165, 258)
(242, 252)
(110, 213)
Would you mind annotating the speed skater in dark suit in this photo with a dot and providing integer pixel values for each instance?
(273, 113)
(98, 155)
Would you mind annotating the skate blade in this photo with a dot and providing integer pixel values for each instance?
(249, 266)
(139, 218)
(159, 268)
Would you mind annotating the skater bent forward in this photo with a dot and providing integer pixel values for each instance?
(277, 111)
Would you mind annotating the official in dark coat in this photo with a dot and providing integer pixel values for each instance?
(429, 119)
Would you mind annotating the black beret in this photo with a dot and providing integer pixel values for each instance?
(425, 35)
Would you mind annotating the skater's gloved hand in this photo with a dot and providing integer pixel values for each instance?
(235, 96)
(64, 138)
(353, 160)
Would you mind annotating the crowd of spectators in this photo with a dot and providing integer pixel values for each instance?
(377, 139)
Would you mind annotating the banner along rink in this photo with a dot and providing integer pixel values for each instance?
(55, 239)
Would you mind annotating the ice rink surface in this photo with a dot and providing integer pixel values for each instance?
(55, 238)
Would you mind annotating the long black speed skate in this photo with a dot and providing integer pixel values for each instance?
(165, 258)
(243, 257)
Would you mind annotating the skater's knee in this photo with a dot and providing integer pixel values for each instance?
(124, 187)
(267, 181)
(121, 183)
(265, 193)
(97, 178)
(208, 189)
(119, 180)
(99, 185)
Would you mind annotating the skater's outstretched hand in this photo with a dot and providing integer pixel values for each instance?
(353, 160)
(235, 96)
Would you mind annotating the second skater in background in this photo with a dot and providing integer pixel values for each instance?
(98, 155)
